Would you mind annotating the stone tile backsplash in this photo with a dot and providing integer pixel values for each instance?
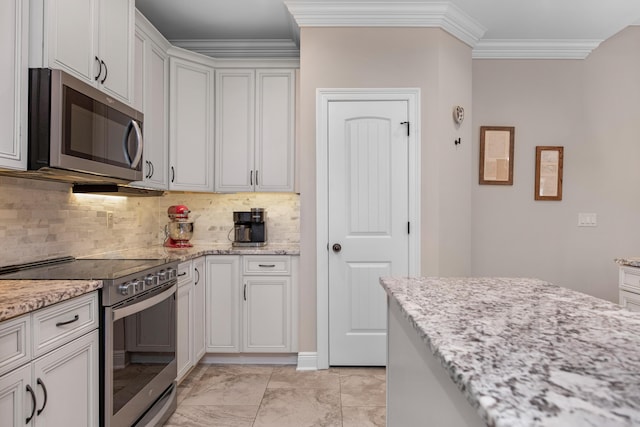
(42, 219)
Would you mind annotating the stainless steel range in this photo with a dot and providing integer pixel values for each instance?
(138, 324)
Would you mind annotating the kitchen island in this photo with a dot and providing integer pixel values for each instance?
(508, 352)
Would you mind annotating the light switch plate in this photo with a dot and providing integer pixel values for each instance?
(587, 220)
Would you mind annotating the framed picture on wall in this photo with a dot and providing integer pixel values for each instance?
(549, 173)
(496, 155)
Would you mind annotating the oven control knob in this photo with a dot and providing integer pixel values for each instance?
(125, 288)
(172, 273)
(150, 280)
(162, 275)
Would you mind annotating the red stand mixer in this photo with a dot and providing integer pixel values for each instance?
(179, 230)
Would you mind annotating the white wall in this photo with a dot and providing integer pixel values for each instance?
(426, 58)
(592, 108)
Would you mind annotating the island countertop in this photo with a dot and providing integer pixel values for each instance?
(525, 352)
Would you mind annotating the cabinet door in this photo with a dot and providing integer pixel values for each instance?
(71, 41)
(223, 304)
(184, 332)
(267, 314)
(275, 130)
(70, 376)
(234, 142)
(116, 29)
(16, 404)
(151, 97)
(630, 301)
(198, 310)
(191, 126)
(14, 16)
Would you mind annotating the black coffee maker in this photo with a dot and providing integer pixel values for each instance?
(250, 228)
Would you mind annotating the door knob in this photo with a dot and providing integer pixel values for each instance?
(337, 247)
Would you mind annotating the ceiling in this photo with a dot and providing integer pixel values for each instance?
(493, 28)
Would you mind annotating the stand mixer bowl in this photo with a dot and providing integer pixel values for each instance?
(180, 231)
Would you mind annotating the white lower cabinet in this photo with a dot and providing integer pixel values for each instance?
(60, 387)
(251, 304)
(223, 304)
(190, 315)
(629, 287)
(199, 290)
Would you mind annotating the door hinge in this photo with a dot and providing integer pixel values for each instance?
(408, 125)
(408, 227)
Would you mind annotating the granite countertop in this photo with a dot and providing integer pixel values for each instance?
(631, 262)
(201, 249)
(525, 352)
(23, 296)
(19, 297)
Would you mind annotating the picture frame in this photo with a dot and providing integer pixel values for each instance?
(496, 155)
(549, 164)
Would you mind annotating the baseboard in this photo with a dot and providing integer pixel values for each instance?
(250, 359)
(307, 361)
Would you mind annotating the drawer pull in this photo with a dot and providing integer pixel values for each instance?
(75, 319)
(44, 390)
(184, 273)
(33, 400)
(266, 265)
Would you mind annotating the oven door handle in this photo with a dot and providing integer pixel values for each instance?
(128, 310)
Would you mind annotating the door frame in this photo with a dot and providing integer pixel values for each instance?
(323, 98)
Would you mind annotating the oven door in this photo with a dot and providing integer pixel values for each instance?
(140, 354)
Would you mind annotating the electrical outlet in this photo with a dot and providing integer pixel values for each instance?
(109, 220)
(587, 220)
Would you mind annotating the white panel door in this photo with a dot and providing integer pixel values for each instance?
(191, 126)
(184, 329)
(15, 399)
(368, 220)
(14, 16)
(116, 29)
(267, 314)
(275, 117)
(223, 304)
(235, 109)
(70, 27)
(70, 375)
(198, 310)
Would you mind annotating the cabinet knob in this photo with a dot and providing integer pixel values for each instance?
(337, 247)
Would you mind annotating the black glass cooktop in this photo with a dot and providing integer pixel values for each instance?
(80, 269)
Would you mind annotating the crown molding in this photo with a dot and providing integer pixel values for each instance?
(242, 48)
(443, 15)
(534, 49)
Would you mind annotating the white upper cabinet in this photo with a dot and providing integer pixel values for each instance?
(255, 114)
(191, 126)
(151, 96)
(90, 39)
(13, 83)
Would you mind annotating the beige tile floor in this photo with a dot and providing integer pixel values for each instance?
(280, 396)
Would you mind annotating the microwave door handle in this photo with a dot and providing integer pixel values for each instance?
(133, 125)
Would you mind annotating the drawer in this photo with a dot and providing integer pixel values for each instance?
(63, 322)
(265, 265)
(630, 278)
(15, 337)
(185, 272)
(630, 301)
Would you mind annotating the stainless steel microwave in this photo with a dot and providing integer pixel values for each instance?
(79, 134)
